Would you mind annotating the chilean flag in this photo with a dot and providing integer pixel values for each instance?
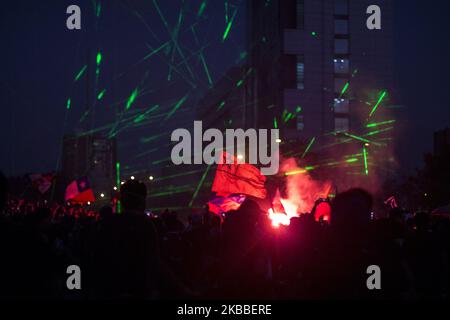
(80, 191)
(238, 178)
(219, 205)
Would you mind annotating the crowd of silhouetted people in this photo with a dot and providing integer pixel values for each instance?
(134, 255)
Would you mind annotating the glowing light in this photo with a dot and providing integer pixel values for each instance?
(99, 58)
(376, 124)
(309, 146)
(80, 73)
(132, 177)
(68, 104)
(88, 203)
(115, 188)
(240, 156)
(290, 173)
(383, 94)
(356, 137)
(99, 8)
(228, 28)
(344, 89)
(101, 94)
(131, 98)
(221, 105)
(177, 106)
(278, 140)
(284, 219)
(102, 195)
(366, 169)
(278, 219)
(150, 178)
(202, 8)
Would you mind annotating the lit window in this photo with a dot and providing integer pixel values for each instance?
(341, 46)
(341, 124)
(341, 66)
(341, 7)
(300, 72)
(341, 26)
(300, 122)
(341, 105)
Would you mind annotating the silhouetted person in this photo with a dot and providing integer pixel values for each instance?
(244, 264)
(126, 255)
(346, 252)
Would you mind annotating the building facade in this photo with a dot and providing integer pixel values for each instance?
(93, 156)
(317, 60)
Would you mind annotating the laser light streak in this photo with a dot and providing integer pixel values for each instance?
(380, 99)
(366, 169)
(131, 99)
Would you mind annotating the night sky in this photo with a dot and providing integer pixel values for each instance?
(40, 59)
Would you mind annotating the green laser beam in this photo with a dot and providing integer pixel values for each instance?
(344, 89)
(99, 8)
(226, 12)
(205, 66)
(377, 124)
(228, 28)
(101, 94)
(311, 142)
(222, 103)
(99, 58)
(371, 133)
(132, 98)
(177, 106)
(380, 99)
(201, 9)
(357, 137)
(80, 73)
(366, 169)
(174, 42)
(178, 175)
(194, 196)
(68, 104)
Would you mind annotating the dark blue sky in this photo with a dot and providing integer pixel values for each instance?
(40, 58)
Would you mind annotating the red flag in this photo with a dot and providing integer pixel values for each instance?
(80, 191)
(238, 178)
(42, 182)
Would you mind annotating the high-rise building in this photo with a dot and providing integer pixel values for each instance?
(318, 60)
(93, 156)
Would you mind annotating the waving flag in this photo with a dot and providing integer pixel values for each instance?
(219, 205)
(80, 191)
(41, 182)
(238, 178)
